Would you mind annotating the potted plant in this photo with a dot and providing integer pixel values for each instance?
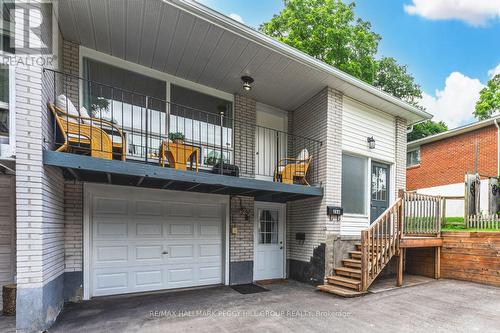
(98, 106)
(176, 137)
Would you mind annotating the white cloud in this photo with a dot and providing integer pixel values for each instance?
(236, 17)
(474, 12)
(494, 71)
(454, 104)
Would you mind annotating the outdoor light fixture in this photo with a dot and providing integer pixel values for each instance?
(247, 82)
(371, 142)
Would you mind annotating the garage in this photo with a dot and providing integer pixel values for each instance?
(143, 240)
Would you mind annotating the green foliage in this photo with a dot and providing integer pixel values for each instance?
(329, 31)
(426, 128)
(98, 105)
(176, 136)
(395, 79)
(489, 99)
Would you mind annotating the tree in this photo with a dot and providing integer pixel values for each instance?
(395, 79)
(489, 99)
(426, 128)
(329, 31)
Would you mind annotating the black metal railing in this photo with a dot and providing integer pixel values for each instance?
(123, 124)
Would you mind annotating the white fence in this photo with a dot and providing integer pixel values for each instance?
(483, 221)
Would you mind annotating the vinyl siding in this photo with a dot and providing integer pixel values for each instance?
(360, 122)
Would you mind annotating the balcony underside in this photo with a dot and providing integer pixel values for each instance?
(92, 169)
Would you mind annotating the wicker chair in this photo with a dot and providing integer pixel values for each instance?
(290, 169)
(92, 137)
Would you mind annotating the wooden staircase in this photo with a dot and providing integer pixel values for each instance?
(347, 279)
(382, 241)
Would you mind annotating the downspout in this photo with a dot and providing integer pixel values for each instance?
(498, 146)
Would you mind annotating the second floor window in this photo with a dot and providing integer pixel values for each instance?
(413, 157)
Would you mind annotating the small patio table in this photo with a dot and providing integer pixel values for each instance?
(178, 155)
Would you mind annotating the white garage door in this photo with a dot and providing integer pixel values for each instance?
(146, 240)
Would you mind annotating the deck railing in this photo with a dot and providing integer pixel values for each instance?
(146, 122)
(410, 215)
(422, 214)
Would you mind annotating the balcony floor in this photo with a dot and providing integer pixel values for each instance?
(92, 169)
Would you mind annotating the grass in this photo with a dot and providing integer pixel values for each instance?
(457, 228)
(457, 223)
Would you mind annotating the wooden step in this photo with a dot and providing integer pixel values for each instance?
(355, 254)
(352, 263)
(339, 291)
(344, 282)
(349, 272)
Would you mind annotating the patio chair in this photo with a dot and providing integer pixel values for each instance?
(87, 134)
(290, 169)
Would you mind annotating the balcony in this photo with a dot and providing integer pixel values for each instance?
(128, 138)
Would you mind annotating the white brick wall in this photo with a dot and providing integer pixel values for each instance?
(39, 189)
(319, 118)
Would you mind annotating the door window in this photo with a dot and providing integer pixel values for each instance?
(268, 226)
(379, 183)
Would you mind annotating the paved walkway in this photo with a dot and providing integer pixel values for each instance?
(438, 306)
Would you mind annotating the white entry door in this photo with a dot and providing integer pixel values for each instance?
(269, 242)
(270, 140)
(143, 240)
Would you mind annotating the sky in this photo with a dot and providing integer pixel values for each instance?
(452, 47)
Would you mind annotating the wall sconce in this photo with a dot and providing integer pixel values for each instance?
(245, 212)
(371, 142)
(247, 82)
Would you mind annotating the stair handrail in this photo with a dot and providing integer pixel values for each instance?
(381, 240)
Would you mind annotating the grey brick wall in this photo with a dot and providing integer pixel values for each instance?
(241, 243)
(73, 226)
(71, 65)
(401, 125)
(244, 135)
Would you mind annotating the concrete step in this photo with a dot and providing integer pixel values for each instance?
(339, 291)
(349, 272)
(351, 283)
(351, 263)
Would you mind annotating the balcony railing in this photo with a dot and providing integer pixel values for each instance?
(126, 125)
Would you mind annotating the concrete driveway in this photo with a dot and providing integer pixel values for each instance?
(438, 306)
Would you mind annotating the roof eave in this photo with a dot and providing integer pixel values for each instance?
(416, 115)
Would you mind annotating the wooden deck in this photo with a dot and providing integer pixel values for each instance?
(412, 221)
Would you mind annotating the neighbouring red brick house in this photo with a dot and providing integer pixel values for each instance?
(437, 164)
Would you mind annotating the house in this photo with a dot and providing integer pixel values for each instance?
(96, 213)
(437, 164)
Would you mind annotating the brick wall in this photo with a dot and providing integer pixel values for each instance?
(73, 227)
(241, 243)
(446, 161)
(71, 65)
(244, 135)
(318, 118)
